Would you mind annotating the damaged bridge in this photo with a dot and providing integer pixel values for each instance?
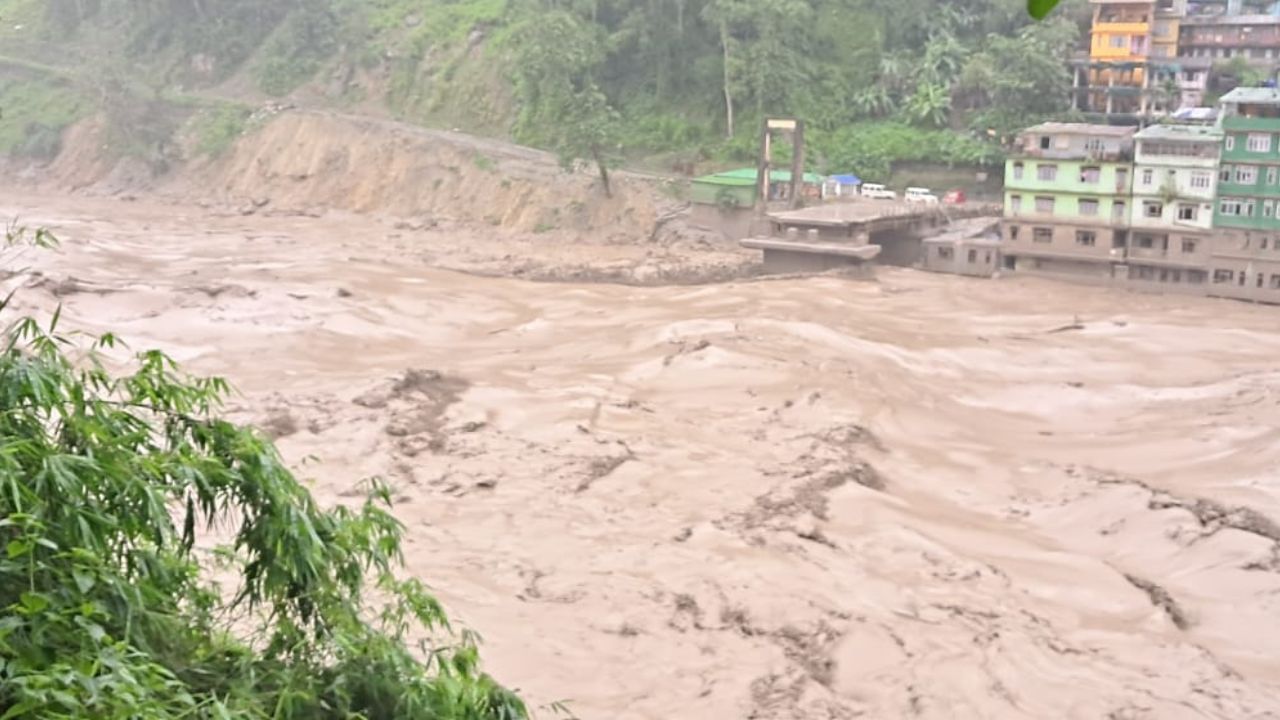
(852, 234)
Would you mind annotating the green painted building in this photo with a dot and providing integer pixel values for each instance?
(1249, 174)
(1067, 199)
(737, 188)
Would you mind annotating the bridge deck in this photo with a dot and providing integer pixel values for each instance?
(856, 213)
(858, 252)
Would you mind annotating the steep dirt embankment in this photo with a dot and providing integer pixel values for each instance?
(305, 160)
(444, 198)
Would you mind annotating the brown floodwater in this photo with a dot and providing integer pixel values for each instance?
(926, 496)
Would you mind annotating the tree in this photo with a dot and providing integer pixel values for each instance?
(110, 486)
(1016, 80)
(590, 132)
(562, 107)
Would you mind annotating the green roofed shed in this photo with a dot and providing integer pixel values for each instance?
(737, 188)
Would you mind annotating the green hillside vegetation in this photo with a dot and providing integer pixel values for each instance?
(678, 79)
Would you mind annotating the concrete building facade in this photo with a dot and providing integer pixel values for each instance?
(1120, 48)
(1175, 176)
(1155, 57)
(1246, 254)
(1249, 176)
(1255, 38)
(973, 256)
(1173, 208)
(1067, 195)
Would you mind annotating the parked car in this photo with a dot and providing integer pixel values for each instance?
(954, 197)
(923, 196)
(878, 192)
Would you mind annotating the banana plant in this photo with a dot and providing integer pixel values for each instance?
(1039, 9)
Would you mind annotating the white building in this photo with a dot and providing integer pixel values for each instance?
(1175, 180)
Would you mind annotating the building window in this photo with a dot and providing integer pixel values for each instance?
(1271, 176)
(1196, 277)
(1259, 142)
(1187, 212)
(1086, 238)
(1094, 145)
(1268, 207)
(1148, 176)
(1230, 142)
(1119, 41)
(1046, 172)
(1188, 246)
(1223, 276)
(1045, 142)
(1015, 204)
(1044, 205)
(1118, 211)
(1201, 180)
(1275, 282)
(1225, 173)
(1013, 232)
(1017, 171)
(1229, 207)
(1246, 174)
(946, 253)
(1152, 209)
(1090, 175)
(1246, 208)
(973, 257)
(1042, 235)
(1145, 242)
(1088, 207)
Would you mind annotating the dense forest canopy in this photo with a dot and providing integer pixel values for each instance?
(935, 79)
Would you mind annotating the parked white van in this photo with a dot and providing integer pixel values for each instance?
(920, 195)
(878, 192)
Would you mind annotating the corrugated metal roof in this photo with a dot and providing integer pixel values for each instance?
(1061, 128)
(1187, 133)
(1258, 95)
(747, 176)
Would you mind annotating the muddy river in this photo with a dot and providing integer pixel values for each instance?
(926, 496)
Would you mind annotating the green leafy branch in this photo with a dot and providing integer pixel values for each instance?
(114, 491)
(1040, 9)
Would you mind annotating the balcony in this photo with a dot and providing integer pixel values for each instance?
(1031, 150)
(1121, 26)
(1260, 39)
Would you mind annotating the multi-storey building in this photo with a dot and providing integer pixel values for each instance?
(1175, 174)
(1165, 32)
(1223, 32)
(1246, 263)
(1153, 57)
(1120, 46)
(1249, 176)
(1067, 189)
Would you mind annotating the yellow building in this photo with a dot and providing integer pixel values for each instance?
(1121, 44)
